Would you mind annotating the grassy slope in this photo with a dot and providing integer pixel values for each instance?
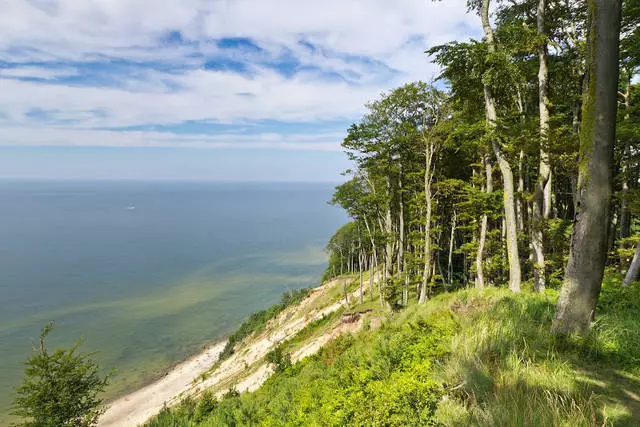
(465, 358)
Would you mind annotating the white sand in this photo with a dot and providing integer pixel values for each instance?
(139, 406)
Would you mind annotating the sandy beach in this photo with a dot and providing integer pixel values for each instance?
(137, 407)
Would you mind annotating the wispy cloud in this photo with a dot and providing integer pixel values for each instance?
(113, 72)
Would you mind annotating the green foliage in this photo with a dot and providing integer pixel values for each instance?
(280, 358)
(375, 378)
(60, 388)
(258, 320)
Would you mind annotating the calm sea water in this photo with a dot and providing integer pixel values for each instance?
(148, 273)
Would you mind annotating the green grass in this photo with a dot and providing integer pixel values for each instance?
(465, 358)
(507, 369)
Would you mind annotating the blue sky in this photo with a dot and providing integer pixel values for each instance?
(203, 89)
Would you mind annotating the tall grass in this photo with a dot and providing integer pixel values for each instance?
(507, 369)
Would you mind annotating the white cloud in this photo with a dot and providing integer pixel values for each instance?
(33, 137)
(38, 72)
(393, 34)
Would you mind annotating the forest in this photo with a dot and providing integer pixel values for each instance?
(516, 167)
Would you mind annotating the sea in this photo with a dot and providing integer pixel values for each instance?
(146, 274)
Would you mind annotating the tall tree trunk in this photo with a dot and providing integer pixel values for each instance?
(452, 237)
(520, 208)
(405, 290)
(360, 262)
(588, 250)
(371, 276)
(389, 247)
(488, 167)
(542, 198)
(613, 226)
(428, 178)
(503, 164)
(625, 215)
(401, 243)
(373, 247)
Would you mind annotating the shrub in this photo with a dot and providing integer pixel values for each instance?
(61, 388)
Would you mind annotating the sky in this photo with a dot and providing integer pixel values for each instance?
(230, 90)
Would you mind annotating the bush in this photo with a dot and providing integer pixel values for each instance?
(280, 358)
(61, 388)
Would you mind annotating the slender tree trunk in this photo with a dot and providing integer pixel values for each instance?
(634, 269)
(401, 242)
(405, 291)
(360, 262)
(428, 177)
(520, 197)
(542, 199)
(520, 202)
(588, 250)
(625, 215)
(427, 251)
(371, 277)
(480, 282)
(389, 247)
(503, 164)
(373, 248)
(465, 269)
(613, 225)
(452, 237)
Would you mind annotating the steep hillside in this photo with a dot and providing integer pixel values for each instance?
(464, 358)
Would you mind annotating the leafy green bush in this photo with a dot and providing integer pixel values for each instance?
(280, 358)
(61, 388)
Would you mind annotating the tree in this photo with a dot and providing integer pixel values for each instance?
(588, 250)
(433, 114)
(61, 388)
(503, 163)
(542, 199)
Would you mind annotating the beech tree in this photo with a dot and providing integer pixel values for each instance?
(588, 251)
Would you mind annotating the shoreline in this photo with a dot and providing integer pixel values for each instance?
(136, 407)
